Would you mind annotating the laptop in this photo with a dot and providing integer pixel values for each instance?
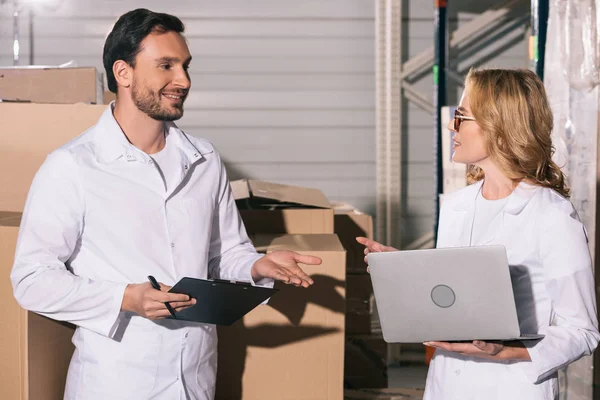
(450, 294)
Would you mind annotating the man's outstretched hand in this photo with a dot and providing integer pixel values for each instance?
(283, 266)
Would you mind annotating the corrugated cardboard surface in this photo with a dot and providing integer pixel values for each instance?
(288, 194)
(292, 221)
(348, 225)
(12, 319)
(292, 348)
(109, 96)
(29, 133)
(51, 85)
(35, 351)
(280, 193)
(271, 208)
(49, 353)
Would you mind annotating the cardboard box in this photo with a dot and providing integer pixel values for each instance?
(384, 394)
(36, 351)
(109, 96)
(359, 286)
(51, 85)
(359, 315)
(365, 362)
(293, 347)
(29, 133)
(350, 223)
(272, 208)
(359, 304)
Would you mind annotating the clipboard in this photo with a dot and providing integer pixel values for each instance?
(219, 302)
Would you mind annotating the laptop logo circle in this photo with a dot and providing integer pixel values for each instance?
(443, 296)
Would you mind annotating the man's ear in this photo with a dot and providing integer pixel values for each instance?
(123, 73)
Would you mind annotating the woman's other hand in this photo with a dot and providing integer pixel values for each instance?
(372, 246)
(489, 350)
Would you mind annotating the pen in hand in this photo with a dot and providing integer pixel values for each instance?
(156, 286)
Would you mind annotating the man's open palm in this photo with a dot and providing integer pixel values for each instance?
(283, 266)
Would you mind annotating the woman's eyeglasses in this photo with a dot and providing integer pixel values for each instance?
(459, 118)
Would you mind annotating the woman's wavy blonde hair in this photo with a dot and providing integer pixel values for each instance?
(512, 110)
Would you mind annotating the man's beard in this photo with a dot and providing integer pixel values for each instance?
(149, 102)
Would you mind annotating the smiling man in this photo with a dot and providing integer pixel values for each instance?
(135, 196)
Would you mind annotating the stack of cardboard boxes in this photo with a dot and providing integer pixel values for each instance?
(35, 350)
(320, 335)
(293, 347)
(366, 353)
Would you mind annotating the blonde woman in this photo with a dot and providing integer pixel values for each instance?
(518, 198)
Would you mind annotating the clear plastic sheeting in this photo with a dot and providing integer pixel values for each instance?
(571, 77)
(577, 32)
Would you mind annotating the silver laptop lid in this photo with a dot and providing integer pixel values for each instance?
(450, 294)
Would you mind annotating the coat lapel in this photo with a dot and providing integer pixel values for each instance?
(463, 211)
(506, 222)
(460, 219)
(517, 202)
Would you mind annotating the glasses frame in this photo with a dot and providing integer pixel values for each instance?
(459, 118)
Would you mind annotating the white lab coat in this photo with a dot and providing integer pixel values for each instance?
(553, 284)
(98, 218)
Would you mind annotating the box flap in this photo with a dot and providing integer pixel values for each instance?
(303, 243)
(10, 218)
(240, 189)
(288, 194)
(345, 208)
(51, 85)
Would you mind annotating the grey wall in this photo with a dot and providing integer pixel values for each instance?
(285, 89)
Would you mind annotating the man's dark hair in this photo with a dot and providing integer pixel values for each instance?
(123, 42)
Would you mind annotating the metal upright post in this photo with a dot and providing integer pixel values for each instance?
(16, 45)
(537, 41)
(31, 59)
(440, 82)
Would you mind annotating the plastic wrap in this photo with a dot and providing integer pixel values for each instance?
(578, 42)
(571, 79)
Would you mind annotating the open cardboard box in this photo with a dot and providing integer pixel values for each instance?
(36, 351)
(293, 347)
(268, 207)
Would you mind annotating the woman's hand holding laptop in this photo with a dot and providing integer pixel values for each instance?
(478, 348)
(488, 350)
